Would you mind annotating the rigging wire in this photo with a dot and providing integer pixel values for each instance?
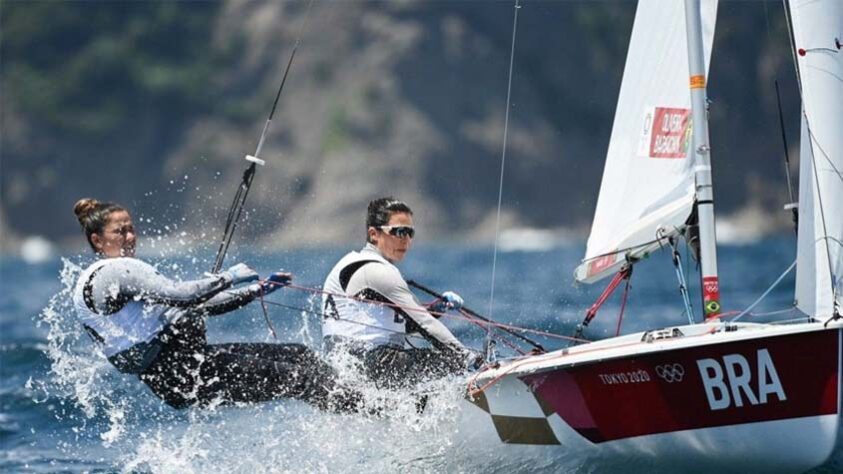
(676, 258)
(500, 185)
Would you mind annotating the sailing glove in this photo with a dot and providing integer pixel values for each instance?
(275, 281)
(474, 360)
(240, 273)
(448, 301)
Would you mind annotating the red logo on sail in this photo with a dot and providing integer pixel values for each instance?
(670, 133)
(600, 263)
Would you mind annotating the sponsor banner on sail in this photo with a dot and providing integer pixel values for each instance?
(601, 264)
(665, 133)
(699, 387)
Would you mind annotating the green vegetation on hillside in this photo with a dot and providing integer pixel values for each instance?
(87, 68)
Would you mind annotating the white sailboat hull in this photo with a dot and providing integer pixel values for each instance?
(753, 396)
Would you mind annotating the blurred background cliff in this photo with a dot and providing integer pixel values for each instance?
(154, 104)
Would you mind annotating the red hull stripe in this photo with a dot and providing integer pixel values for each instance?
(766, 379)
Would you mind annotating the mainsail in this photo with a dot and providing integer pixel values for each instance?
(647, 191)
(818, 34)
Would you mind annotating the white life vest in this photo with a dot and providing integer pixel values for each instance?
(136, 322)
(346, 317)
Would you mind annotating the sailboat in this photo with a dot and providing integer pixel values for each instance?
(716, 393)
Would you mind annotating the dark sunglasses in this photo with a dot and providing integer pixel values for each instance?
(400, 231)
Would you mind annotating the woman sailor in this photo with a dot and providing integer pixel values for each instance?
(368, 307)
(152, 326)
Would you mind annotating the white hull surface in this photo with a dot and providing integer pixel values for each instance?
(729, 396)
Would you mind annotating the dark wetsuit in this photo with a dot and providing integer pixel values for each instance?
(188, 370)
(126, 305)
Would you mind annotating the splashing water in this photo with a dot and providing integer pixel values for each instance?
(116, 418)
(75, 371)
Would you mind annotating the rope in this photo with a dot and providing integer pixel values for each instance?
(476, 322)
(764, 295)
(468, 311)
(623, 306)
(462, 316)
(624, 273)
(778, 311)
(266, 313)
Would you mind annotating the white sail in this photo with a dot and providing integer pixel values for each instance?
(648, 180)
(818, 33)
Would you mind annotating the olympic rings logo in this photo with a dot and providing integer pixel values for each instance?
(671, 372)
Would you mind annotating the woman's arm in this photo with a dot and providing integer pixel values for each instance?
(388, 281)
(127, 279)
(229, 300)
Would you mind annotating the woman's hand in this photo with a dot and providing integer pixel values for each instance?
(448, 301)
(275, 281)
(240, 273)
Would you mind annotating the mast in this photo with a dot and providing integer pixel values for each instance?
(702, 169)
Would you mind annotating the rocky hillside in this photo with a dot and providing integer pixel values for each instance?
(154, 105)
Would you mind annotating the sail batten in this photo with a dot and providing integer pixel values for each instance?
(647, 192)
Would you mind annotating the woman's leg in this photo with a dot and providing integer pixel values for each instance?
(188, 371)
(291, 352)
(260, 372)
(393, 367)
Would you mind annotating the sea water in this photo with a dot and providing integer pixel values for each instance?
(63, 408)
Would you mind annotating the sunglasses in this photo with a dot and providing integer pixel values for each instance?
(400, 231)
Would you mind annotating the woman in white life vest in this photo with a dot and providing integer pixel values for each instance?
(149, 325)
(368, 308)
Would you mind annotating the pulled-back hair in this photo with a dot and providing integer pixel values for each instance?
(381, 209)
(93, 216)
